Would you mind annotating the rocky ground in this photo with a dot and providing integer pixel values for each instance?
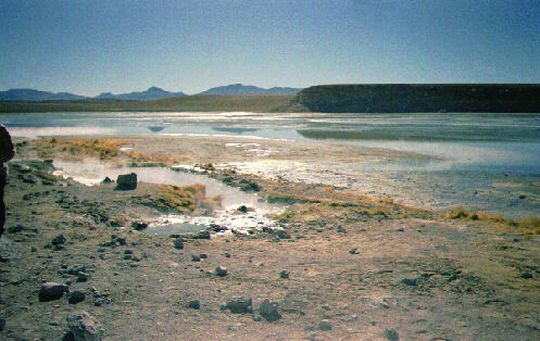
(344, 266)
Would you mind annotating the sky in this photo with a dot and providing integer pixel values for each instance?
(89, 47)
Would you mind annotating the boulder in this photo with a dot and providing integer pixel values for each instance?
(107, 181)
(76, 297)
(220, 271)
(58, 240)
(179, 244)
(325, 325)
(51, 291)
(239, 305)
(282, 234)
(391, 334)
(195, 304)
(139, 225)
(126, 182)
(84, 327)
(269, 311)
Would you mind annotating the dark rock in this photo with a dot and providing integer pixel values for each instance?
(2, 324)
(523, 196)
(220, 271)
(139, 225)
(282, 234)
(76, 297)
(126, 182)
(195, 258)
(227, 255)
(203, 256)
(179, 243)
(101, 301)
(239, 306)
(84, 327)
(195, 304)
(325, 326)
(107, 181)
(284, 274)
(15, 228)
(526, 275)
(391, 334)
(82, 277)
(353, 251)
(269, 311)
(202, 235)
(58, 240)
(410, 281)
(51, 291)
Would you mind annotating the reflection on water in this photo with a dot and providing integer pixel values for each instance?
(92, 173)
(479, 153)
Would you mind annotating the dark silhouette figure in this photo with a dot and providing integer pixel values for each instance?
(6, 153)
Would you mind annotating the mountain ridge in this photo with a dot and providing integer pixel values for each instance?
(150, 94)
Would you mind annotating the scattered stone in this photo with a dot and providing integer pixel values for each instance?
(242, 209)
(220, 271)
(325, 325)
(195, 258)
(282, 234)
(82, 277)
(410, 281)
(179, 243)
(139, 225)
(202, 235)
(391, 334)
(76, 297)
(284, 274)
(15, 228)
(227, 255)
(195, 304)
(526, 275)
(51, 291)
(128, 252)
(126, 182)
(107, 181)
(203, 256)
(353, 251)
(269, 311)
(58, 242)
(239, 306)
(101, 301)
(84, 327)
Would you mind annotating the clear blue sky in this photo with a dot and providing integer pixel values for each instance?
(87, 47)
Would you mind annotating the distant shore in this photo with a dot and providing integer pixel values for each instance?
(353, 98)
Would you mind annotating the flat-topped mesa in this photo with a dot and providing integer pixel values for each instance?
(399, 98)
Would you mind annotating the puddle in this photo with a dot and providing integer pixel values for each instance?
(91, 173)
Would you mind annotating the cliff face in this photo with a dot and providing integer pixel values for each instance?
(378, 98)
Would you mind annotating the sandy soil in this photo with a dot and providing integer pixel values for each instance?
(358, 268)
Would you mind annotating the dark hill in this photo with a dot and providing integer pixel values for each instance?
(32, 95)
(378, 98)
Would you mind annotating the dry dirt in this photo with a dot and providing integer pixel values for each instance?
(367, 269)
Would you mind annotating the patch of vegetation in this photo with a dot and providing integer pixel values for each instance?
(103, 149)
(181, 199)
(289, 199)
(527, 225)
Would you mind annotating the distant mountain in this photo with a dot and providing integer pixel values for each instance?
(153, 93)
(32, 95)
(240, 89)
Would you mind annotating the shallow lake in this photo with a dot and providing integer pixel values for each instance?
(486, 160)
